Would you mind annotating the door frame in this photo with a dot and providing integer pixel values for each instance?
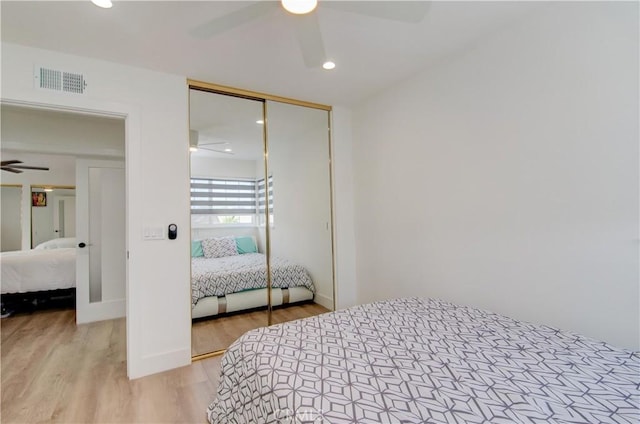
(132, 154)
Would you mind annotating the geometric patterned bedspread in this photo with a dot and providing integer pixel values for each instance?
(418, 360)
(232, 274)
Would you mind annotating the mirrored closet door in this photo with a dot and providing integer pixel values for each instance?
(11, 217)
(300, 210)
(227, 161)
(261, 227)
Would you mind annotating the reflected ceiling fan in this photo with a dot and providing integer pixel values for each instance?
(15, 167)
(223, 147)
(218, 147)
(305, 21)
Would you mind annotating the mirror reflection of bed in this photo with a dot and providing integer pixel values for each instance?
(230, 190)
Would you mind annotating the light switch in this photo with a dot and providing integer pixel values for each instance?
(153, 233)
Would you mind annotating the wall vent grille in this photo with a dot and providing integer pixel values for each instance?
(53, 79)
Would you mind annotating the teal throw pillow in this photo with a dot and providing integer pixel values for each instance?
(196, 249)
(246, 245)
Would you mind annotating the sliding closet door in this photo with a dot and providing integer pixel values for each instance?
(11, 217)
(228, 272)
(299, 188)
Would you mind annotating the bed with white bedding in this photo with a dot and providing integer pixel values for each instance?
(418, 360)
(37, 270)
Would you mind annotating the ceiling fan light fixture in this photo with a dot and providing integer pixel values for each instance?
(299, 7)
(105, 4)
(328, 65)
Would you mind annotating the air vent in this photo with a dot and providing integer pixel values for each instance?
(53, 79)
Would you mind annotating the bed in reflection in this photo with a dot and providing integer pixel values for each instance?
(229, 275)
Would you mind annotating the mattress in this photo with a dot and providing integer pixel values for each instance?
(233, 274)
(417, 360)
(37, 270)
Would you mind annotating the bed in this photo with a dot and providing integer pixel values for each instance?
(416, 360)
(229, 279)
(36, 270)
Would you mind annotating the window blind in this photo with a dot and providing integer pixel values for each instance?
(223, 196)
(261, 195)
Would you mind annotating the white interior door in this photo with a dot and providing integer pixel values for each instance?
(100, 234)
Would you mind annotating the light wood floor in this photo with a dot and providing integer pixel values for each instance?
(219, 333)
(55, 371)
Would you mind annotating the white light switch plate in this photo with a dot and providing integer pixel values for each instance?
(153, 233)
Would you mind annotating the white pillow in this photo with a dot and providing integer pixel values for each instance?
(219, 247)
(59, 243)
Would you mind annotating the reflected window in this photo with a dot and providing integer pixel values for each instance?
(262, 200)
(217, 202)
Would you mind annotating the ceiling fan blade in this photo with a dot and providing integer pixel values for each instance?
(402, 11)
(213, 143)
(38, 168)
(233, 19)
(15, 171)
(217, 151)
(310, 39)
(9, 162)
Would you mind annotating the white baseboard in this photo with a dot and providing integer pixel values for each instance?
(324, 300)
(99, 311)
(152, 364)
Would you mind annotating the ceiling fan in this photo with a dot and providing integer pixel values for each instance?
(15, 167)
(195, 144)
(306, 25)
(222, 147)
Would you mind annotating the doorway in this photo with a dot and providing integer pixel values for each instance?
(50, 223)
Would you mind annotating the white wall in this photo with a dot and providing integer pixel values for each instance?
(343, 207)
(155, 106)
(41, 131)
(507, 177)
(207, 167)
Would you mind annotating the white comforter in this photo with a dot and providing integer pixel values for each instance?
(35, 270)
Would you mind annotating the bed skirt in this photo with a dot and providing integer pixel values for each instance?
(249, 299)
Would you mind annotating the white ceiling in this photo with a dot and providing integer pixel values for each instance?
(262, 55)
(226, 122)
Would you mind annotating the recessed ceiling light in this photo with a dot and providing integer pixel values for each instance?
(105, 4)
(227, 150)
(328, 65)
(259, 121)
(299, 7)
